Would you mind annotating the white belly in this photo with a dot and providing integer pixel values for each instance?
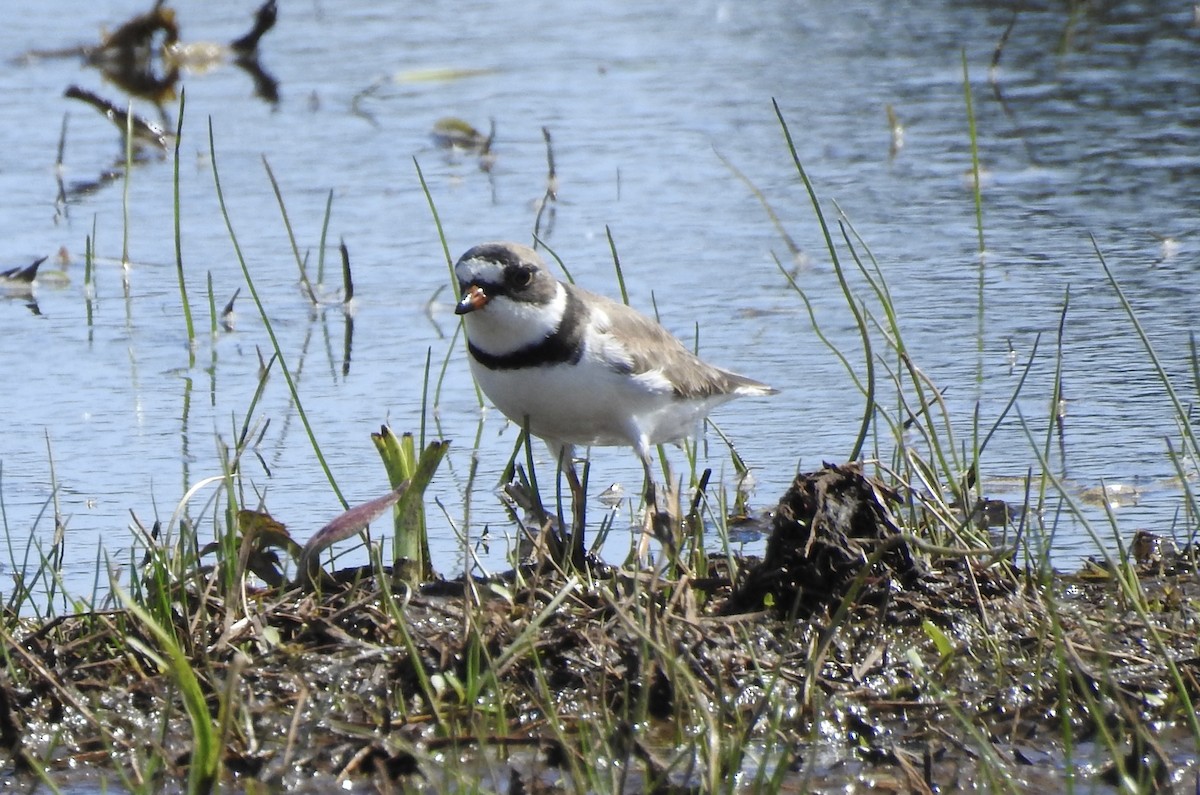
(589, 404)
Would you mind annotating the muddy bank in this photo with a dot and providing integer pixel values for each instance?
(854, 653)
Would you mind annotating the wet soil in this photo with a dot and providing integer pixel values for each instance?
(853, 655)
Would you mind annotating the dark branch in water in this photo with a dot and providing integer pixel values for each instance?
(264, 20)
(144, 132)
(551, 196)
(347, 280)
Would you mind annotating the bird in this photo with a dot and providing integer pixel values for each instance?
(578, 369)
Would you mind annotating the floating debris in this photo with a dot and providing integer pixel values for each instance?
(1113, 495)
(439, 74)
(458, 135)
(897, 131)
(612, 496)
(452, 132)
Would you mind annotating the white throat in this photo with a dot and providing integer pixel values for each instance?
(505, 326)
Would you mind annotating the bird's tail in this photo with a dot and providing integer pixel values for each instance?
(748, 387)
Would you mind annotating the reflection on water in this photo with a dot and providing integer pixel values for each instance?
(144, 57)
(659, 125)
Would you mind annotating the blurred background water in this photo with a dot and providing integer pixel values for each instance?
(1088, 127)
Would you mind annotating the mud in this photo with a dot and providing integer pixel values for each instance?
(852, 655)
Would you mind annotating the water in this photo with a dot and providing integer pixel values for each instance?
(1096, 136)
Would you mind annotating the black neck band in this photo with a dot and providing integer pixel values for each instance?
(564, 345)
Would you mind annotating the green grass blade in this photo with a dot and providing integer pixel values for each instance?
(287, 223)
(206, 754)
(187, 307)
(287, 375)
(868, 356)
(977, 192)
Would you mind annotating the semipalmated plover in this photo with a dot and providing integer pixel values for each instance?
(579, 369)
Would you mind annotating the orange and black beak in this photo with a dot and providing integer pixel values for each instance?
(473, 298)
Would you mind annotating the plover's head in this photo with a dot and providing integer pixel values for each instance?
(503, 272)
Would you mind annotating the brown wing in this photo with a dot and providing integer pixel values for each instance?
(647, 347)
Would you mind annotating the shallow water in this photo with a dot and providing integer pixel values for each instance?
(1090, 129)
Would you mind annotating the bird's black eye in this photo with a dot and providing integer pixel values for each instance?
(521, 277)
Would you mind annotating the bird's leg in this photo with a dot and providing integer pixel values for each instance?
(651, 489)
(578, 507)
(657, 522)
(578, 510)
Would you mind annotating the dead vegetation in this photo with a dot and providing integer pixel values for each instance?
(845, 656)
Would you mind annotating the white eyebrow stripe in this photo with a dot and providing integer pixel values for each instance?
(481, 270)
